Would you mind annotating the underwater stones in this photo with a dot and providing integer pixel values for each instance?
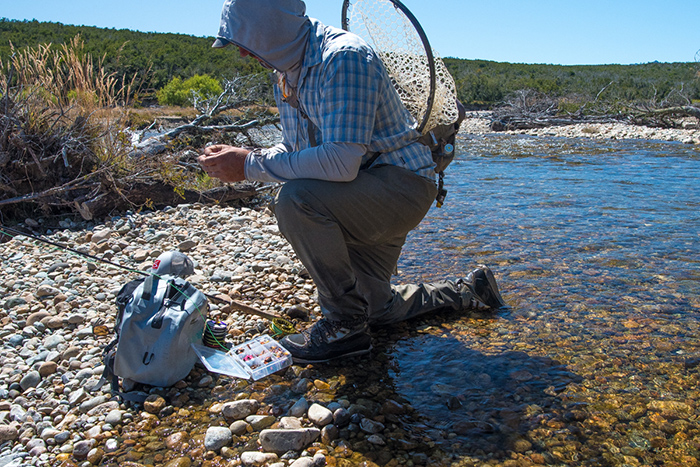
(217, 437)
(319, 415)
(671, 409)
(281, 441)
(299, 408)
(239, 410)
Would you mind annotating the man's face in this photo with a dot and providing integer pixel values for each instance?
(244, 53)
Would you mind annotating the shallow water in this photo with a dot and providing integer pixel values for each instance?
(596, 248)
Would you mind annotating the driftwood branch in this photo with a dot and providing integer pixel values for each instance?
(682, 111)
(160, 195)
(527, 109)
(68, 165)
(239, 92)
(159, 144)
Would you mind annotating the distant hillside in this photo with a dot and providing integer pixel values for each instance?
(164, 56)
(479, 82)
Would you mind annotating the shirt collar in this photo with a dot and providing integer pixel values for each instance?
(314, 54)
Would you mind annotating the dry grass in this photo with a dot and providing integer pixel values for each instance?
(61, 123)
(63, 139)
(68, 76)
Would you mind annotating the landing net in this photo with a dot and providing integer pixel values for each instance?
(418, 74)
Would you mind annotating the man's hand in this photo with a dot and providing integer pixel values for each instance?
(224, 162)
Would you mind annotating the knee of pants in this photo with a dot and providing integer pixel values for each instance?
(291, 204)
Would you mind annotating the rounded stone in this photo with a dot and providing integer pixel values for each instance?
(82, 448)
(239, 427)
(154, 404)
(8, 433)
(217, 437)
(48, 368)
(179, 462)
(239, 410)
(319, 415)
(30, 380)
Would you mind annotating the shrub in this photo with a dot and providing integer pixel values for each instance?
(184, 93)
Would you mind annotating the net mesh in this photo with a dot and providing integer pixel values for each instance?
(394, 38)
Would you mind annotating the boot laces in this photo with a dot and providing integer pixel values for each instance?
(322, 331)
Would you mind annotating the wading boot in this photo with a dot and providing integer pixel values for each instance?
(484, 291)
(327, 340)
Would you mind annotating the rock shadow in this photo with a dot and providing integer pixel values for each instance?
(440, 394)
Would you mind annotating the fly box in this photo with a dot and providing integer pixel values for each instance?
(254, 359)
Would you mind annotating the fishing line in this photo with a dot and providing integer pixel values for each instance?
(278, 325)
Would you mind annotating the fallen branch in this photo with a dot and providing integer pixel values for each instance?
(682, 111)
(159, 144)
(159, 195)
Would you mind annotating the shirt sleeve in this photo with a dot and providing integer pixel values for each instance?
(337, 162)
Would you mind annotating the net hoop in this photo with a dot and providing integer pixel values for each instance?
(362, 16)
(426, 45)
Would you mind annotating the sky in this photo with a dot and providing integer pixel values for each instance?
(564, 32)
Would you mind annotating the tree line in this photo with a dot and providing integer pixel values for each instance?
(158, 58)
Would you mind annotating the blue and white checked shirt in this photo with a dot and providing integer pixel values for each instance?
(345, 91)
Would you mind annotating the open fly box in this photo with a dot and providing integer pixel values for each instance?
(254, 359)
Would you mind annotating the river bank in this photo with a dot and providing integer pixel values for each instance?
(53, 309)
(479, 122)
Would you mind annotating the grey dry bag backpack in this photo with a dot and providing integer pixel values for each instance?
(155, 328)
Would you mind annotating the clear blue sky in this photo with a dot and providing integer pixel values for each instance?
(567, 32)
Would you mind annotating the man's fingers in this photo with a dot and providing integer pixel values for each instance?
(213, 149)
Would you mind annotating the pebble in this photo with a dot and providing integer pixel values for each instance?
(30, 380)
(299, 408)
(239, 410)
(257, 459)
(8, 433)
(281, 441)
(370, 426)
(239, 427)
(260, 422)
(319, 415)
(154, 404)
(217, 437)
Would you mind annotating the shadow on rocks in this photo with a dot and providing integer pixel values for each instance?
(436, 395)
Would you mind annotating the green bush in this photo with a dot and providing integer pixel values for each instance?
(182, 93)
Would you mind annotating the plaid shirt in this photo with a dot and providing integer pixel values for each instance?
(345, 91)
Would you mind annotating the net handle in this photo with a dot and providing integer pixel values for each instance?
(426, 45)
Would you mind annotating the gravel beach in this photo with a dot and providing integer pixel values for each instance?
(479, 123)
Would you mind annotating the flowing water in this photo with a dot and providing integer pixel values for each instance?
(596, 248)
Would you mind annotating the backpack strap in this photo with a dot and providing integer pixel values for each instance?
(148, 287)
(133, 397)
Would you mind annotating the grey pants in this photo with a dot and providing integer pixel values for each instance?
(349, 237)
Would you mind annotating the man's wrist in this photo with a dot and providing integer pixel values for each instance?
(250, 162)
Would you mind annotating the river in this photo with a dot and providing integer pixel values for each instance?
(596, 248)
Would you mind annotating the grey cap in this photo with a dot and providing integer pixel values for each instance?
(173, 263)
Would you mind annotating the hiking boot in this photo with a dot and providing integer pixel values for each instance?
(484, 291)
(327, 340)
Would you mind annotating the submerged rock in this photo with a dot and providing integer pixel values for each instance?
(281, 441)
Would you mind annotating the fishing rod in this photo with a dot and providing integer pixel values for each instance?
(279, 324)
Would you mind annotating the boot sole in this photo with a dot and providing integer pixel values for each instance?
(357, 353)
